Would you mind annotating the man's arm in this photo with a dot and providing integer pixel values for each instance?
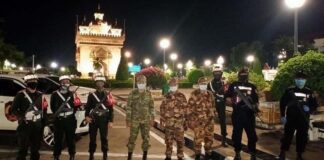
(283, 103)
(88, 106)
(16, 105)
(129, 107)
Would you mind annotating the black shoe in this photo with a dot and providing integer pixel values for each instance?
(91, 157)
(56, 157)
(130, 154)
(237, 156)
(197, 157)
(72, 157)
(104, 156)
(144, 155)
(167, 158)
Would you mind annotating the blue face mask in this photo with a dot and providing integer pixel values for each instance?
(300, 83)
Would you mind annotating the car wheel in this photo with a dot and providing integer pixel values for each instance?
(48, 135)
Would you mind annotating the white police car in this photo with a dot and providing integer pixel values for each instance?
(11, 84)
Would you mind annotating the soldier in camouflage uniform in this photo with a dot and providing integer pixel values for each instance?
(139, 116)
(201, 106)
(174, 113)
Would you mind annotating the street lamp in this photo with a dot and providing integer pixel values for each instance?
(295, 4)
(282, 55)
(130, 64)
(164, 44)
(62, 69)
(38, 66)
(21, 68)
(180, 66)
(147, 61)
(13, 65)
(207, 63)
(128, 54)
(6, 63)
(220, 60)
(173, 57)
(189, 65)
(250, 59)
(54, 65)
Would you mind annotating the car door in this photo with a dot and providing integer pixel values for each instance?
(8, 90)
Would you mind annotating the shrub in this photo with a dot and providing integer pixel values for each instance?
(122, 70)
(194, 75)
(312, 63)
(155, 77)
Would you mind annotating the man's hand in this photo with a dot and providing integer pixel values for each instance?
(29, 115)
(306, 108)
(88, 119)
(110, 124)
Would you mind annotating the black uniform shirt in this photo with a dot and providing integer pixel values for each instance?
(56, 102)
(92, 102)
(248, 89)
(304, 95)
(217, 87)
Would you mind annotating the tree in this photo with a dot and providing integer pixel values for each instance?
(122, 71)
(283, 42)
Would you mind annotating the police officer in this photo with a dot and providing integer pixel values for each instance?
(243, 117)
(139, 116)
(99, 114)
(296, 105)
(217, 86)
(30, 108)
(201, 105)
(65, 121)
(174, 115)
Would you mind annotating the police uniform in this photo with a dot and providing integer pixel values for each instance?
(31, 110)
(296, 117)
(174, 114)
(201, 107)
(65, 122)
(99, 108)
(243, 117)
(217, 87)
(139, 115)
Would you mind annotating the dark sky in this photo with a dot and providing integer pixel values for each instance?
(199, 28)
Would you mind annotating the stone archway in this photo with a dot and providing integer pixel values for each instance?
(100, 56)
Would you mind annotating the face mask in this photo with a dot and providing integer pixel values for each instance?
(173, 88)
(65, 86)
(218, 76)
(100, 85)
(203, 87)
(141, 86)
(300, 83)
(32, 85)
(243, 78)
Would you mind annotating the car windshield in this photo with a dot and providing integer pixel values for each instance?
(54, 78)
(47, 86)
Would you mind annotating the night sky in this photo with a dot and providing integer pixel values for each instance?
(199, 29)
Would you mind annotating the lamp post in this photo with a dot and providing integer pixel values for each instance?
(220, 61)
(295, 4)
(173, 57)
(250, 59)
(164, 44)
(128, 54)
(147, 61)
(207, 62)
(54, 65)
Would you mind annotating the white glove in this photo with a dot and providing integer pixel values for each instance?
(29, 115)
(306, 108)
(46, 130)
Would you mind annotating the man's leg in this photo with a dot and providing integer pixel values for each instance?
(301, 138)
(93, 135)
(35, 138)
(134, 129)
(103, 129)
(23, 132)
(70, 135)
(220, 106)
(58, 138)
(169, 136)
(179, 137)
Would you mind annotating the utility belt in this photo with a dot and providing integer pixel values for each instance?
(65, 114)
(219, 97)
(34, 118)
(97, 112)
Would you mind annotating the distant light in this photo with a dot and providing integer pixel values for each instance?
(169, 71)
(7, 63)
(21, 68)
(180, 66)
(207, 62)
(147, 61)
(54, 65)
(128, 54)
(250, 58)
(173, 56)
(13, 65)
(38, 66)
(165, 66)
(164, 43)
(220, 60)
(130, 64)
(295, 3)
(62, 69)
(189, 65)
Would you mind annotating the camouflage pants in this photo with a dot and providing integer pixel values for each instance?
(145, 133)
(177, 134)
(204, 133)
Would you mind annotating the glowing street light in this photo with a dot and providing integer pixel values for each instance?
(220, 60)
(62, 69)
(128, 54)
(295, 4)
(13, 65)
(164, 44)
(207, 62)
(189, 65)
(180, 66)
(130, 64)
(165, 66)
(38, 66)
(250, 58)
(147, 61)
(173, 57)
(21, 68)
(6, 63)
(54, 65)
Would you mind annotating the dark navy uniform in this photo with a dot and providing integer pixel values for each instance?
(29, 128)
(292, 107)
(243, 117)
(100, 119)
(65, 123)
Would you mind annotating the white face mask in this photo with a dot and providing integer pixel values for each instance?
(173, 88)
(141, 86)
(203, 87)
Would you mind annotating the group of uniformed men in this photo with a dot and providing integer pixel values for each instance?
(176, 115)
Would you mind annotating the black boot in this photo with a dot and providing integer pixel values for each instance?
(299, 156)
(167, 158)
(144, 155)
(282, 155)
(56, 157)
(105, 156)
(197, 157)
(91, 157)
(130, 154)
(72, 157)
(237, 156)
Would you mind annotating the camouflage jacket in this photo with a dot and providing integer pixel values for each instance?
(174, 107)
(201, 106)
(140, 107)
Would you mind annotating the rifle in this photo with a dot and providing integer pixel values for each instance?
(247, 102)
(97, 109)
(59, 110)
